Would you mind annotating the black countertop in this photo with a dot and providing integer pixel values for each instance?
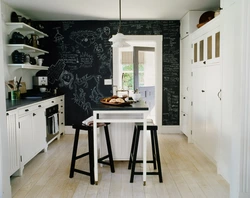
(13, 104)
(133, 107)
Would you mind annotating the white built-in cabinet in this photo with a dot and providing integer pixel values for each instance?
(26, 127)
(206, 88)
(188, 25)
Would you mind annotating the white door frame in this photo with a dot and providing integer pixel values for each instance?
(240, 150)
(157, 42)
(5, 189)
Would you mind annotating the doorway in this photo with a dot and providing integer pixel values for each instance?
(150, 43)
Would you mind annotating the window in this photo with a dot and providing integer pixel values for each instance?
(128, 68)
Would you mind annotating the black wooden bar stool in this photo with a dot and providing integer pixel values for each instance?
(155, 151)
(90, 152)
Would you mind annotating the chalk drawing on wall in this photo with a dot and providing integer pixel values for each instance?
(83, 81)
(79, 99)
(66, 79)
(86, 60)
(58, 37)
(96, 95)
(55, 71)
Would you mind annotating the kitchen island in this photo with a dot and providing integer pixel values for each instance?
(136, 112)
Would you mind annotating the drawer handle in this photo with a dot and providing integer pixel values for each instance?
(26, 110)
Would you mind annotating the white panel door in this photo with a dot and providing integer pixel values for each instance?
(199, 106)
(213, 110)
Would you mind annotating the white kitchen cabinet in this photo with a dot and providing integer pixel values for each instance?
(189, 23)
(13, 141)
(32, 125)
(206, 44)
(185, 87)
(207, 109)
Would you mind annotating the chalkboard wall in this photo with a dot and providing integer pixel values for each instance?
(80, 58)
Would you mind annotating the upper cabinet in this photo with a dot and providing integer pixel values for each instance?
(189, 22)
(206, 48)
(26, 31)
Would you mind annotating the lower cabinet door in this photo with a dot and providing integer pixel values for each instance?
(39, 130)
(26, 137)
(13, 142)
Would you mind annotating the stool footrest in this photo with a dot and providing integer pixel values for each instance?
(82, 172)
(148, 173)
(82, 155)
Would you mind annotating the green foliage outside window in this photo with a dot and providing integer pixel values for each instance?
(128, 80)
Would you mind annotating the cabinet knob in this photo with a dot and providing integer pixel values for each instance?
(34, 114)
(184, 114)
(39, 106)
(184, 97)
(186, 32)
(26, 110)
(204, 62)
(52, 101)
(7, 114)
(202, 90)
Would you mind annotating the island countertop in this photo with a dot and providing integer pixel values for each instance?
(140, 105)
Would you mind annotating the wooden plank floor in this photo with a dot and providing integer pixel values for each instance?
(186, 171)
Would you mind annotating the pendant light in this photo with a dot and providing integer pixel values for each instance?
(119, 39)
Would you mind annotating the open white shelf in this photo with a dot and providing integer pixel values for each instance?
(24, 28)
(28, 66)
(25, 48)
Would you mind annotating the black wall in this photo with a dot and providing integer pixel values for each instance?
(80, 58)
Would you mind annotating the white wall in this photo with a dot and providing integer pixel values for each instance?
(5, 190)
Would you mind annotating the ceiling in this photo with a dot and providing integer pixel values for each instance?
(109, 9)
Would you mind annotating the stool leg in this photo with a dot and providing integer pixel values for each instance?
(134, 157)
(153, 147)
(158, 156)
(132, 149)
(91, 156)
(73, 159)
(111, 161)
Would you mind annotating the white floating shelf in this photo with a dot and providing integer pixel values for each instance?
(28, 66)
(24, 28)
(26, 48)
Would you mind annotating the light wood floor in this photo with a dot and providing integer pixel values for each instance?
(187, 173)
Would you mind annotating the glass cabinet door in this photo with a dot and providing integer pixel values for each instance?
(217, 45)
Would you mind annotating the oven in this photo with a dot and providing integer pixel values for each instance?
(52, 122)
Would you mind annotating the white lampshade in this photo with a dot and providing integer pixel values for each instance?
(119, 40)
